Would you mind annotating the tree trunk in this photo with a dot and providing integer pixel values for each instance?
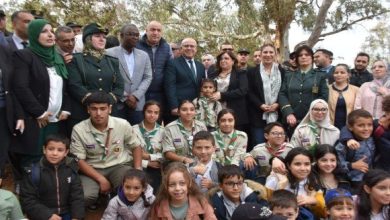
(320, 23)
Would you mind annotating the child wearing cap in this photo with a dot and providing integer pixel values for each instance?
(339, 204)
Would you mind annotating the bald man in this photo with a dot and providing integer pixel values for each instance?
(183, 76)
(160, 53)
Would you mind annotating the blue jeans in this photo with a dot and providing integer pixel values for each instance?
(257, 135)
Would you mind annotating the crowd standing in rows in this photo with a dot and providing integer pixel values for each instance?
(156, 134)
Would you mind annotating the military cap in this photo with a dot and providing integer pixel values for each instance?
(93, 28)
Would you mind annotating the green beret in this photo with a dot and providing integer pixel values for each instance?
(93, 28)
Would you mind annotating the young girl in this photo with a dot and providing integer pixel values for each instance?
(178, 135)
(151, 136)
(179, 197)
(326, 169)
(340, 205)
(230, 143)
(134, 198)
(374, 198)
(299, 180)
(206, 109)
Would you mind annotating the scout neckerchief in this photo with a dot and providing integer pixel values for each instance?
(148, 135)
(275, 152)
(184, 132)
(230, 147)
(106, 145)
(205, 106)
(314, 128)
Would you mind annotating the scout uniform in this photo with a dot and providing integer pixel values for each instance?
(262, 153)
(207, 111)
(179, 140)
(150, 141)
(299, 90)
(230, 147)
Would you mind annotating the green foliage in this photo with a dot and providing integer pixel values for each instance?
(377, 44)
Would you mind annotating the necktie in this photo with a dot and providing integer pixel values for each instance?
(192, 69)
(24, 43)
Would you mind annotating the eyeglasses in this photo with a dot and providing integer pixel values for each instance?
(227, 49)
(276, 134)
(130, 34)
(231, 184)
(320, 109)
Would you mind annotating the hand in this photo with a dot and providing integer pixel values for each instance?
(360, 165)
(42, 122)
(306, 200)
(200, 169)
(384, 121)
(187, 160)
(206, 183)
(19, 126)
(353, 144)
(278, 166)
(216, 96)
(175, 112)
(265, 108)
(55, 217)
(154, 164)
(274, 107)
(63, 116)
(145, 156)
(105, 186)
(67, 57)
(291, 120)
(382, 90)
(249, 163)
(131, 101)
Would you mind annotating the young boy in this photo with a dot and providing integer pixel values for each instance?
(233, 192)
(284, 203)
(356, 162)
(205, 169)
(51, 188)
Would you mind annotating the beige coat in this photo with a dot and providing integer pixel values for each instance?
(349, 97)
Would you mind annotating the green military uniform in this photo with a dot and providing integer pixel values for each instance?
(87, 74)
(299, 90)
(230, 147)
(150, 141)
(178, 139)
(262, 153)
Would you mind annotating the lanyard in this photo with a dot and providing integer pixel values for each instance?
(184, 132)
(106, 145)
(148, 135)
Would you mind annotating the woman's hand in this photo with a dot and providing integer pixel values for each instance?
(249, 163)
(19, 126)
(306, 200)
(265, 108)
(278, 166)
(274, 107)
(216, 96)
(291, 120)
(44, 120)
(63, 116)
(382, 91)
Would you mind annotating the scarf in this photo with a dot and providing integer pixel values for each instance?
(123, 198)
(88, 48)
(47, 54)
(271, 87)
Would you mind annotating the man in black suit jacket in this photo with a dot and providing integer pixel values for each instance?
(180, 80)
(20, 21)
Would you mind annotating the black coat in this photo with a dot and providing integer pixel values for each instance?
(256, 96)
(13, 108)
(235, 96)
(31, 85)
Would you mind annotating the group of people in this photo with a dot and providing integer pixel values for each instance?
(164, 136)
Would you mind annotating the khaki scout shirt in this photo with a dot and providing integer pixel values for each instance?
(174, 140)
(155, 141)
(122, 142)
(230, 152)
(209, 115)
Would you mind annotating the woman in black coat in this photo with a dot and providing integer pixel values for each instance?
(232, 87)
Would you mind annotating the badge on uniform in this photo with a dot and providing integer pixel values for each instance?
(90, 146)
(177, 140)
(314, 89)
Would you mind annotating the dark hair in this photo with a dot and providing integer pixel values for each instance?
(208, 80)
(62, 29)
(284, 199)
(231, 55)
(355, 114)
(99, 97)
(141, 176)
(386, 103)
(326, 52)
(224, 112)
(184, 102)
(150, 103)
(363, 54)
(57, 138)
(370, 179)
(204, 135)
(346, 67)
(112, 41)
(319, 152)
(15, 15)
(229, 171)
(268, 45)
(304, 48)
(311, 179)
(271, 125)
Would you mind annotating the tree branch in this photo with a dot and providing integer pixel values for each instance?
(320, 20)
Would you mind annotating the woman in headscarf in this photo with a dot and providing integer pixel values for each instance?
(315, 128)
(370, 94)
(92, 71)
(38, 83)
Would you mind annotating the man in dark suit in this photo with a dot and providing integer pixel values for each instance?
(183, 76)
(20, 21)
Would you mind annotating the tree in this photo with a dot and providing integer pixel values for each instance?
(377, 44)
